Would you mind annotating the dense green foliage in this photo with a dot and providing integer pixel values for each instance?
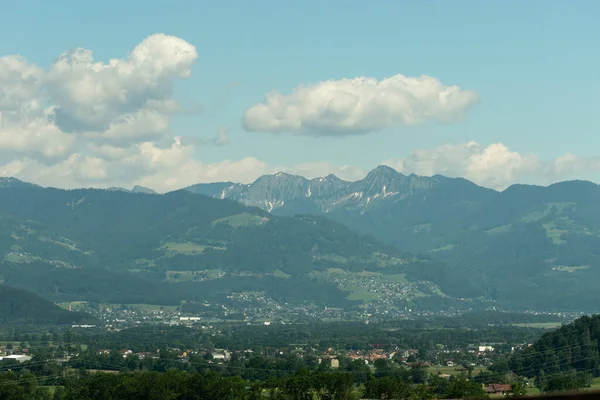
(420, 334)
(18, 306)
(180, 385)
(123, 247)
(571, 348)
(528, 247)
(282, 361)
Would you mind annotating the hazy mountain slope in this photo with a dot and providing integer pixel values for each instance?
(571, 347)
(18, 306)
(519, 246)
(117, 246)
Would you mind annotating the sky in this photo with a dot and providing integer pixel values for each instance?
(168, 94)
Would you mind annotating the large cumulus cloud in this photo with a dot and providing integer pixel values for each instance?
(84, 122)
(495, 165)
(360, 105)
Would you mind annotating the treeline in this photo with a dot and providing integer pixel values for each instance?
(106, 246)
(208, 385)
(342, 336)
(572, 347)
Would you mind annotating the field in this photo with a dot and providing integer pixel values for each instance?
(440, 369)
(185, 248)
(540, 325)
(242, 219)
(187, 276)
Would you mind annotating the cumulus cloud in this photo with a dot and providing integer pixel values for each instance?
(358, 106)
(125, 101)
(494, 166)
(26, 125)
(161, 168)
(84, 122)
(92, 96)
(222, 137)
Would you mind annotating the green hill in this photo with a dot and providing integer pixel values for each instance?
(566, 358)
(18, 306)
(527, 247)
(123, 247)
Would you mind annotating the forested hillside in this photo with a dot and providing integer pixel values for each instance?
(123, 247)
(525, 247)
(18, 306)
(572, 347)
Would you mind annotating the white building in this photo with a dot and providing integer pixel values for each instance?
(16, 357)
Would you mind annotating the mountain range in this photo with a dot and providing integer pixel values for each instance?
(115, 246)
(405, 241)
(527, 246)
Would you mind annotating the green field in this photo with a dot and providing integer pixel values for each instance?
(242, 219)
(20, 258)
(280, 274)
(75, 305)
(363, 296)
(185, 247)
(541, 325)
(554, 234)
(187, 276)
(499, 229)
(455, 370)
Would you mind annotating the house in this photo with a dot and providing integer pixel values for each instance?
(335, 363)
(482, 348)
(222, 355)
(16, 357)
(450, 364)
(126, 353)
(496, 388)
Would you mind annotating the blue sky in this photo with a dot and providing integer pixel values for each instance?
(533, 65)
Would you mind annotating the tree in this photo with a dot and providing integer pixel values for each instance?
(421, 392)
(383, 367)
(517, 390)
(299, 386)
(334, 386)
(418, 375)
(461, 388)
(360, 370)
(386, 388)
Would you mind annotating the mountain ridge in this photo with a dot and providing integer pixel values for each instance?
(117, 247)
(532, 247)
(513, 246)
(272, 191)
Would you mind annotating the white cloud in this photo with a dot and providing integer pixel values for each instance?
(26, 127)
(50, 115)
(88, 123)
(569, 166)
(358, 106)
(494, 166)
(84, 122)
(161, 168)
(92, 96)
(222, 137)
